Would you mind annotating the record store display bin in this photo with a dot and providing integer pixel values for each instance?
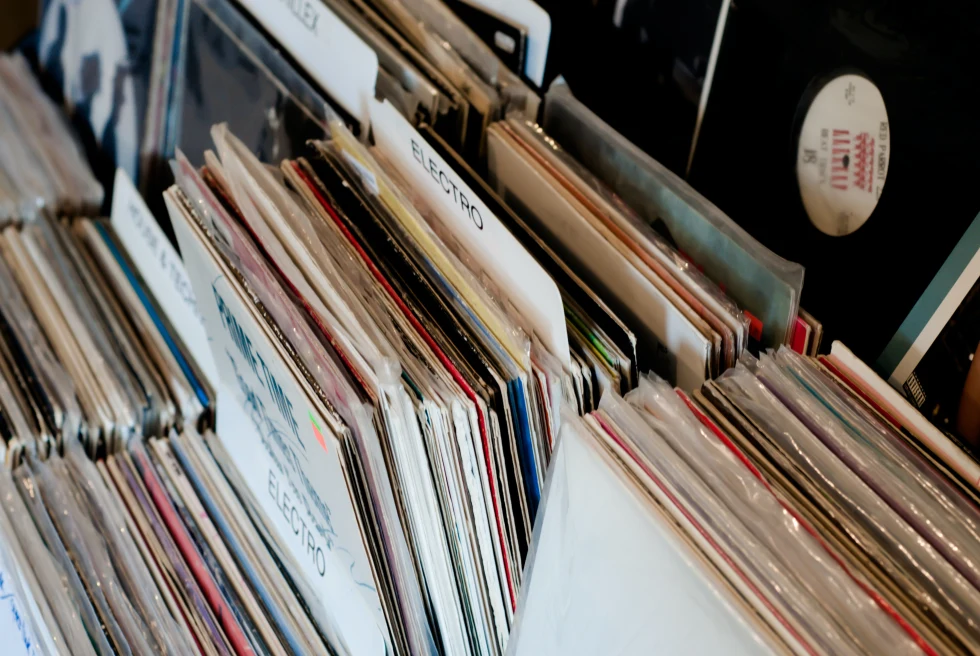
(371, 327)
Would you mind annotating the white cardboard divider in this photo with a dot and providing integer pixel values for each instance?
(330, 52)
(162, 269)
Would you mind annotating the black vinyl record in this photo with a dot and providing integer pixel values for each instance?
(867, 111)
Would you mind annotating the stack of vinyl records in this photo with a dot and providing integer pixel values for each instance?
(676, 256)
(119, 535)
(438, 409)
(427, 299)
(408, 304)
(41, 163)
(797, 495)
(398, 296)
(148, 550)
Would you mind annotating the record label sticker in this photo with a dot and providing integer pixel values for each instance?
(842, 155)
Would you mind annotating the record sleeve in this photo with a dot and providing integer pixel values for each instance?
(507, 38)
(236, 74)
(759, 280)
(644, 66)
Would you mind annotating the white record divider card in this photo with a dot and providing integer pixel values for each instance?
(488, 241)
(273, 434)
(161, 269)
(330, 52)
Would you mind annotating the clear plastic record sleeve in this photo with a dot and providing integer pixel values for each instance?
(42, 165)
(703, 295)
(909, 486)
(760, 281)
(840, 614)
(476, 378)
(400, 80)
(432, 393)
(892, 544)
(97, 414)
(23, 576)
(235, 74)
(580, 301)
(673, 344)
(382, 394)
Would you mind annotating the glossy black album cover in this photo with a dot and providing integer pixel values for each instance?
(98, 54)
(641, 65)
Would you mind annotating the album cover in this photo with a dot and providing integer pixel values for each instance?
(99, 54)
(642, 65)
(934, 358)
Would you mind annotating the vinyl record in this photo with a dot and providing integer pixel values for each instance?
(840, 134)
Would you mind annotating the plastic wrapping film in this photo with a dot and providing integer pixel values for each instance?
(858, 619)
(126, 558)
(367, 168)
(759, 280)
(433, 232)
(307, 598)
(240, 75)
(76, 615)
(790, 609)
(270, 582)
(327, 373)
(606, 574)
(553, 389)
(48, 260)
(643, 239)
(869, 521)
(471, 48)
(379, 304)
(261, 214)
(123, 574)
(91, 556)
(479, 89)
(47, 312)
(229, 579)
(477, 303)
(302, 236)
(41, 632)
(360, 289)
(103, 248)
(107, 364)
(206, 572)
(938, 513)
(59, 154)
(417, 483)
(8, 196)
(30, 189)
(477, 54)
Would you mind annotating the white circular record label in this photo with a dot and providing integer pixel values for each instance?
(842, 160)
